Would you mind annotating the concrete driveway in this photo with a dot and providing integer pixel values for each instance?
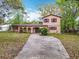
(43, 47)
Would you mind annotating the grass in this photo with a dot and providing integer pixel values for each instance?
(11, 44)
(70, 42)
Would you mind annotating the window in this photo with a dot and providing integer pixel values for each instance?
(53, 28)
(46, 20)
(54, 20)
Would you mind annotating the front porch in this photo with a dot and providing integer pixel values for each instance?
(30, 28)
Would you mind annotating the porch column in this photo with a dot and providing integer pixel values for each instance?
(26, 29)
(18, 29)
(34, 30)
(31, 29)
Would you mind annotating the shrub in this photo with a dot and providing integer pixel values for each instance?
(43, 31)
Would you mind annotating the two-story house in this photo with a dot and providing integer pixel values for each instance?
(52, 22)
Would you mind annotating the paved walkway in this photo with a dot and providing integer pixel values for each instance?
(43, 47)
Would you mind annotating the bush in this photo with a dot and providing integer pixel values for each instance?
(43, 31)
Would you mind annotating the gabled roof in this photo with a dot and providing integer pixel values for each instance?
(51, 15)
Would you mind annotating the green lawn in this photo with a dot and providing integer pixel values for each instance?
(70, 42)
(11, 44)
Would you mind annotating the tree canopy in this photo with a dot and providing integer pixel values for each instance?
(15, 4)
(69, 14)
(9, 8)
(49, 9)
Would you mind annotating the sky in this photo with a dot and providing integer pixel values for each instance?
(32, 6)
(35, 4)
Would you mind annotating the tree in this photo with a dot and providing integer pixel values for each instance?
(35, 22)
(31, 22)
(77, 24)
(15, 4)
(69, 14)
(60, 2)
(49, 9)
(9, 7)
(16, 20)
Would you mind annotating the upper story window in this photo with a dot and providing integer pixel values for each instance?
(46, 20)
(54, 20)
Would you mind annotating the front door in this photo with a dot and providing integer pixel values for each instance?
(36, 30)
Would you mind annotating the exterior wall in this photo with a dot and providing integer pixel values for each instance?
(56, 31)
(53, 24)
(5, 27)
(15, 29)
